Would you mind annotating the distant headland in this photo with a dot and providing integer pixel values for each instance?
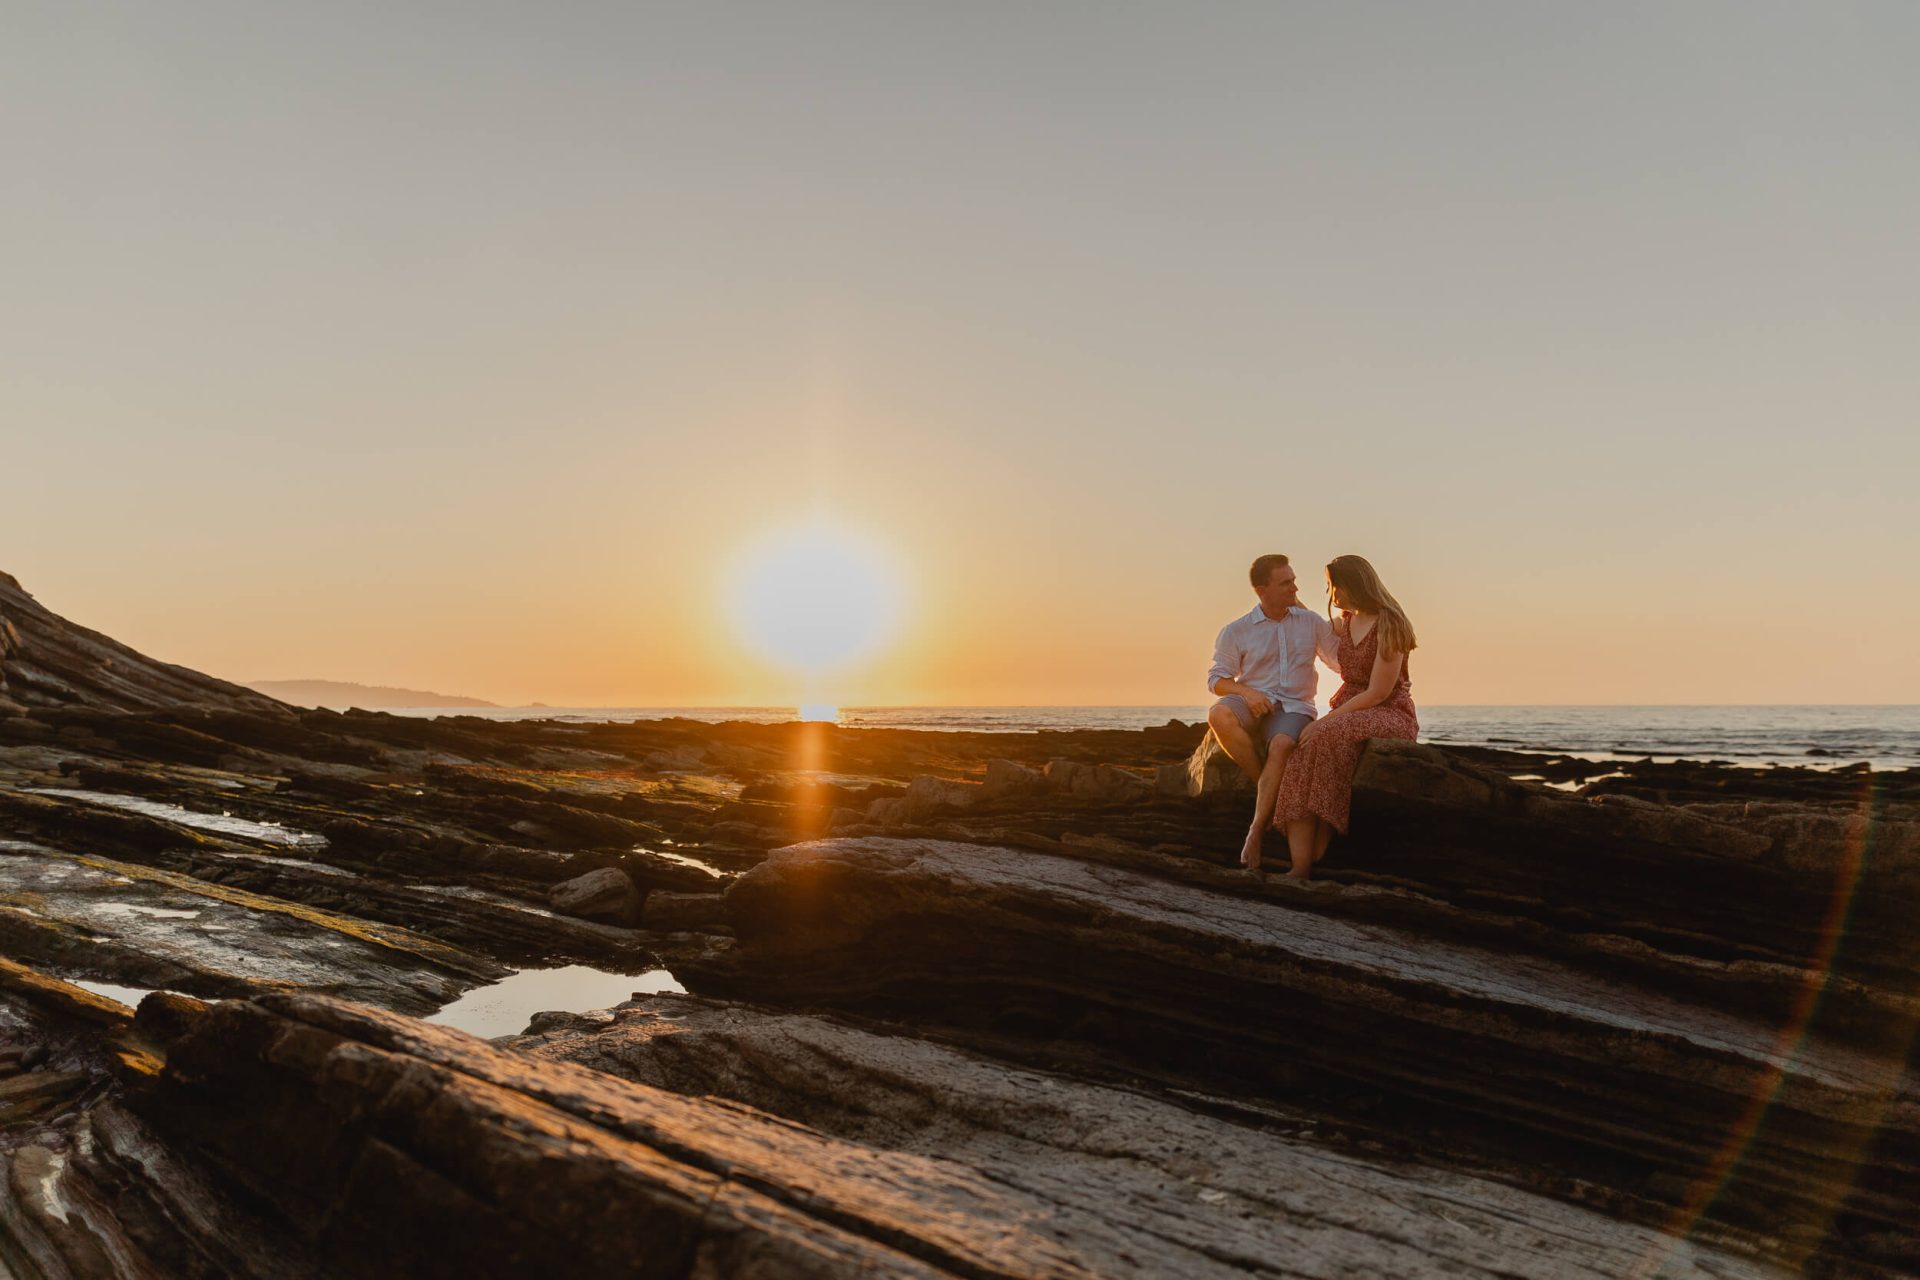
(345, 693)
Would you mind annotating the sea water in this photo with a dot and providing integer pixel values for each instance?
(1886, 737)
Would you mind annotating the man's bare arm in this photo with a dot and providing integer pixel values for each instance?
(1259, 702)
(1228, 658)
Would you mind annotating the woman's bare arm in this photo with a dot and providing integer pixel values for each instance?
(1386, 674)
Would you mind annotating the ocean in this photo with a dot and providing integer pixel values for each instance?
(1885, 737)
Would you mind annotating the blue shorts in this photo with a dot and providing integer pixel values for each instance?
(1264, 729)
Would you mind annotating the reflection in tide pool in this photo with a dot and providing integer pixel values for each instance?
(504, 1008)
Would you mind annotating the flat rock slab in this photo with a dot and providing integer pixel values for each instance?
(155, 928)
(1260, 996)
(792, 905)
(1123, 1174)
(403, 1149)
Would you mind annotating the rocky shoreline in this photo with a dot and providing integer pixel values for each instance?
(956, 1004)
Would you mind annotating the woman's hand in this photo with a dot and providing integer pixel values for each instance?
(1307, 732)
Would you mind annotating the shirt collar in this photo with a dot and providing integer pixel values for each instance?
(1260, 615)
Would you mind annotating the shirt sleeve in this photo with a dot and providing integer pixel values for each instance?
(1326, 643)
(1227, 658)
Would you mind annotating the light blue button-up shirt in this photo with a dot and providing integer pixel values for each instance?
(1275, 655)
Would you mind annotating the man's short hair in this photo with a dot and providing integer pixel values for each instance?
(1263, 569)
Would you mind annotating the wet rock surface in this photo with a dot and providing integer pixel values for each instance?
(962, 1003)
(1526, 1060)
(1154, 1179)
(379, 1122)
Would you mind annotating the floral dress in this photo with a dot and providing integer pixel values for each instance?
(1319, 777)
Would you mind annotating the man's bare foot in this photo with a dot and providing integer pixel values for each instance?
(1250, 851)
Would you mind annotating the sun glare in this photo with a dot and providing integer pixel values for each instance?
(815, 598)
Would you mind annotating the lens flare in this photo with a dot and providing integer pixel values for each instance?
(1724, 1168)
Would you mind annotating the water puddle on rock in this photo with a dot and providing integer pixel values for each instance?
(128, 996)
(1571, 784)
(222, 824)
(1578, 783)
(505, 1008)
(158, 913)
(684, 860)
(281, 860)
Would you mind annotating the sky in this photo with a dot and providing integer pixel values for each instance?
(470, 347)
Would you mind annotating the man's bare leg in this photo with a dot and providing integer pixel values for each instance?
(1235, 741)
(1267, 790)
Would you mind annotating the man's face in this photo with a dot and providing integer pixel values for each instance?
(1282, 591)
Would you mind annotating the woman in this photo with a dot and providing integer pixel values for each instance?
(1375, 701)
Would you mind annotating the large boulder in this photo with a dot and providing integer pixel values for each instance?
(924, 797)
(607, 894)
(1011, 780)
(925, 794)
(1209, 771)
(1096, 783)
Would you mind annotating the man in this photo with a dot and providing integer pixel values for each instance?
(1263, 675)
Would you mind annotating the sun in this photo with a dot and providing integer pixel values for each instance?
(815, 597)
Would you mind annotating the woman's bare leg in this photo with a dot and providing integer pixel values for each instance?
(1322, 836)
(1300, 833)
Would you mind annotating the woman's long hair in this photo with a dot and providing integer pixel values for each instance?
(1360, 589)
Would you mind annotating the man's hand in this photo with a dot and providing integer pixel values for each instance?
(1258, 702)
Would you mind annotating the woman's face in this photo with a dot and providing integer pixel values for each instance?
(1333, 594)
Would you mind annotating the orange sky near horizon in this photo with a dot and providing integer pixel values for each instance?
(409, 347)
(968, 639)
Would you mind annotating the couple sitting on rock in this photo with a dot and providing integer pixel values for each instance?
(1263, 673)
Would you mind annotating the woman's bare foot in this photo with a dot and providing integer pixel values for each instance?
(1300, 873)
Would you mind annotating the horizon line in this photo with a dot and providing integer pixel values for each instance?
(1034, 706)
